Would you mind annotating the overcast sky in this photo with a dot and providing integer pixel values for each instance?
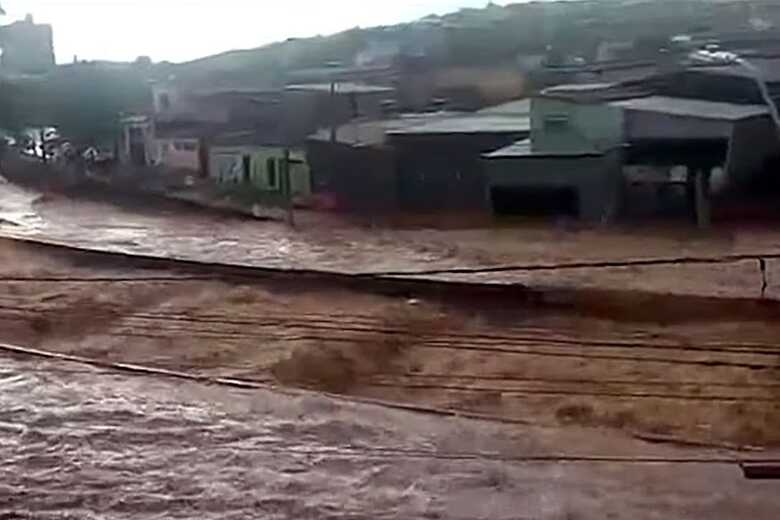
(180, 30)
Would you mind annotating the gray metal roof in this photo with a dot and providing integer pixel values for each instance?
(696, 108)
(578, 87)
(595, 92)
(768, 67)
(524, 148)
(371, 133)
(341, 87)
(519, 107)
(471, 124)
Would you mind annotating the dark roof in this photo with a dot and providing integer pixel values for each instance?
(768, 67)
(695, 108)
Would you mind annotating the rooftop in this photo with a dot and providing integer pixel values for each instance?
(692, 108)
(525, 149)
(578, 87)
(768, 67)
(595, 92)
(341, 88)
(521, 107)
(371, 133)
(470, 124)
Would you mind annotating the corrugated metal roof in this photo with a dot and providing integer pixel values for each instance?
(520, 107)
(769, 68)
(697, 108)
(341, 88)
(595, 92)
(471, 124)
(578, 87)
(370, 133)
(524, 148)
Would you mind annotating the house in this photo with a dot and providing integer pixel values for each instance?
(253, 164)
(137, 146)
(171, 146)
(354, 169)
(438, 163)
(310, 106)
(571, 162)
(178, 146)
(586, 140)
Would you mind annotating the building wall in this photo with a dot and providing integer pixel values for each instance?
(226, 166)
(305, 111)
(179, 154)
(356, 179)
(654, 125)
(558, 125)
(597, 180)
(753, 142)
(445, 172)
(137, 144)
(172, 103)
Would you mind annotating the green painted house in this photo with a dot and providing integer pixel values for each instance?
(570, 165)
(256, 171)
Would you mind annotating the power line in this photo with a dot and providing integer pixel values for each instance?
(606, 264)
(409, 275)
(427, 338)
(590, 393)
(525, 347)
(583, 381)
(351, 451)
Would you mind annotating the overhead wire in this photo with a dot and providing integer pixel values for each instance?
(351, 450)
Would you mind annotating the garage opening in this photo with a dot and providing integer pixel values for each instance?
(535, 202)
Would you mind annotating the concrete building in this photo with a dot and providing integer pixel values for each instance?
(439, 166)
(137, 145)
(570, 165)
(588, 141)
(248, 164)
(355, 168)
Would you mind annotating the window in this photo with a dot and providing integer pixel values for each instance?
(270, 172)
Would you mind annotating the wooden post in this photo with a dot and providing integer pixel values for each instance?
(287, 191)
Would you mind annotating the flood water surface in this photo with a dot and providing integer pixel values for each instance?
(82, 443)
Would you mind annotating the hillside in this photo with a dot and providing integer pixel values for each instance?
(491, 35)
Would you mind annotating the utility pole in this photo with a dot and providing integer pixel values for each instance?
(287, 191)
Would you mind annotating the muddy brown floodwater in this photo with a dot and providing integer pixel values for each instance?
(582, 379)
(85, 444)
(326, 242)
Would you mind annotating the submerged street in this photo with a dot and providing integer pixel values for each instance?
(441, 261)
(84, 443)
(325, 242)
